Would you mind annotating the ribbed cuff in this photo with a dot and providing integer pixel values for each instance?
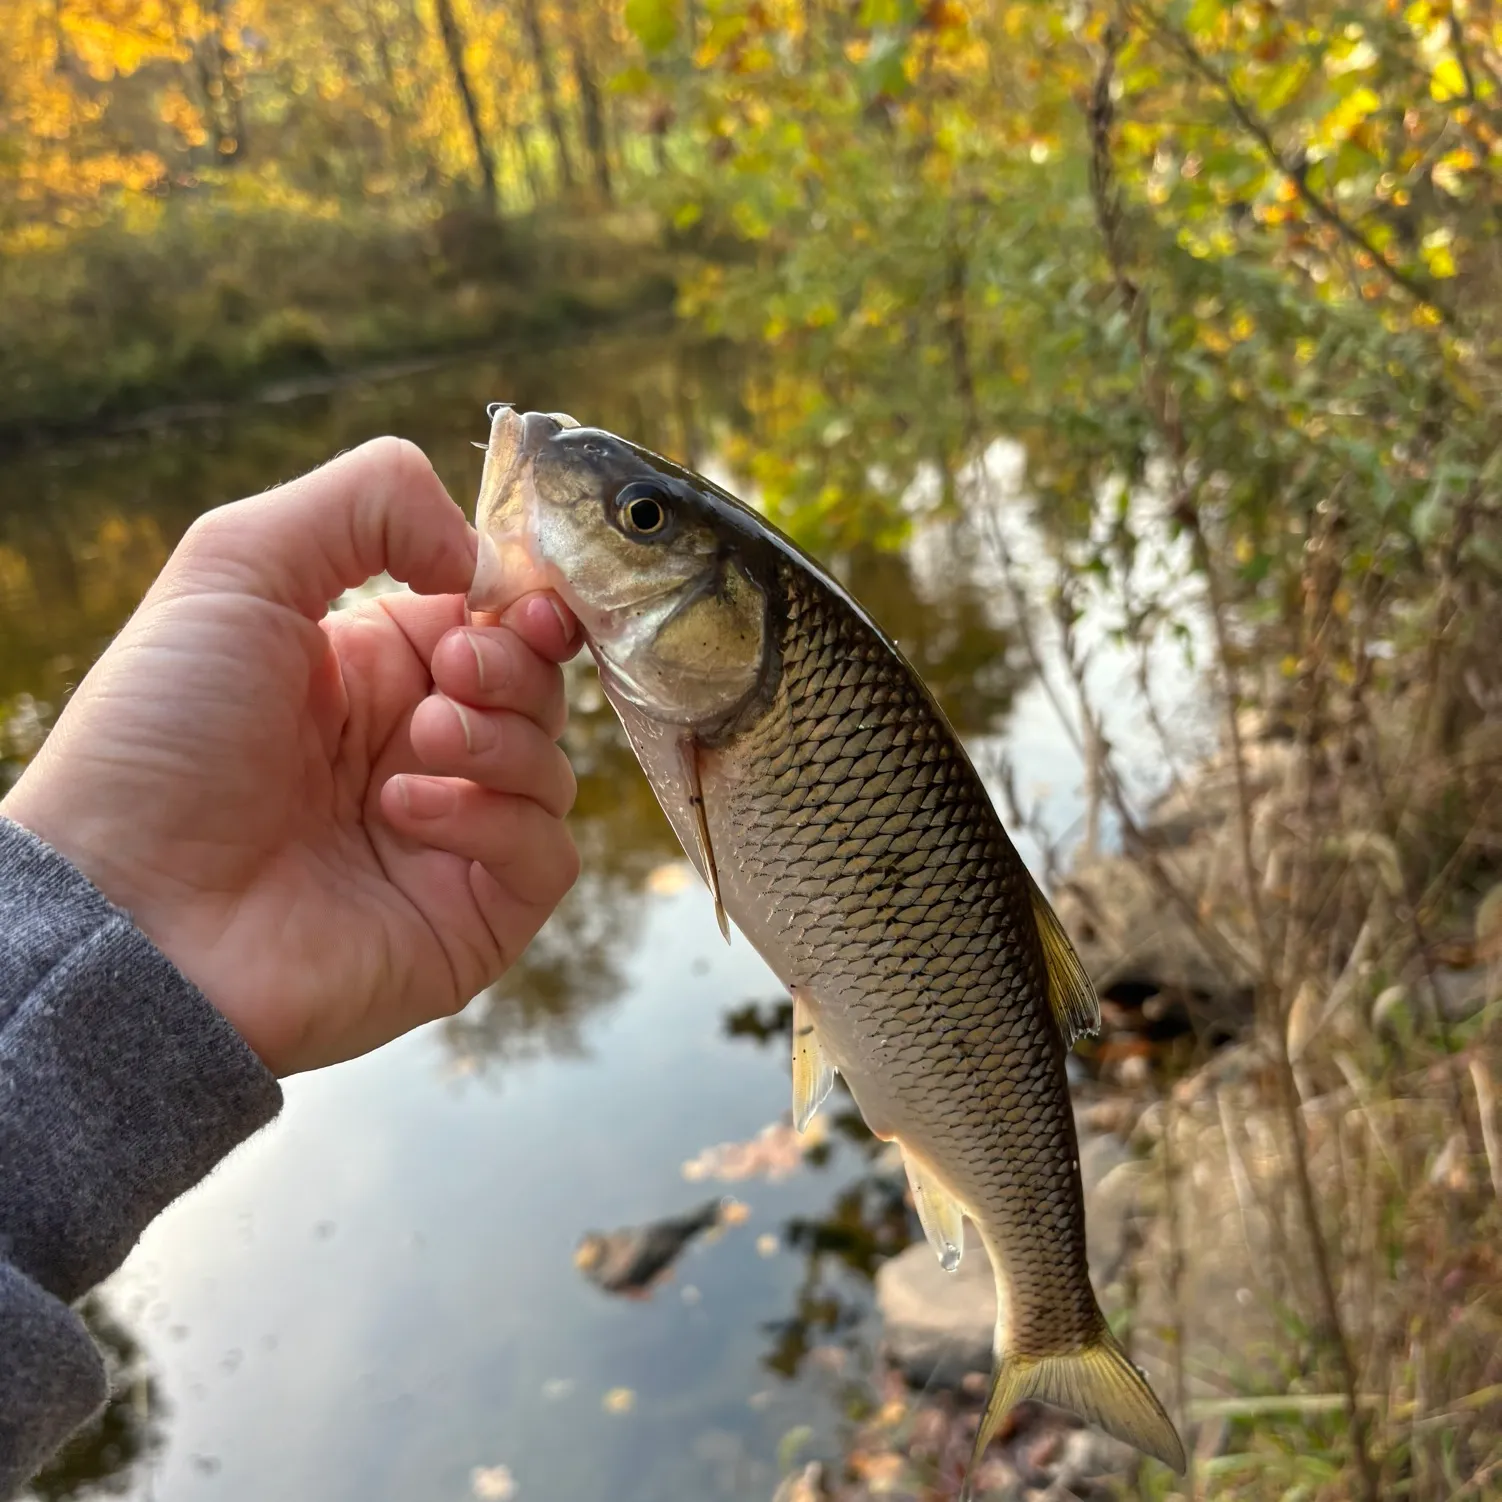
(52, 1378)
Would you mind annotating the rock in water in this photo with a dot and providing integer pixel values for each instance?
(937, 1325)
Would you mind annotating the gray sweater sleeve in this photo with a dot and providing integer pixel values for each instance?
(120, 1087)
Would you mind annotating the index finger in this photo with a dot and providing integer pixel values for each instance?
(379, 507)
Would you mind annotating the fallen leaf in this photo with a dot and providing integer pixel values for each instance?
(775, 1152)
(882, 1473)
(620, 1400)
(767, 1245)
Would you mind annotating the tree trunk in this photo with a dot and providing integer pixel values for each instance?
(532, 19)
(592, 106)
(398, 137)
(535, 184)
(219, 78)
(453, 45)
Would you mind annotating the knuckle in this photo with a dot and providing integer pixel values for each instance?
(400, 455)
(218, 542)
(569, 785)
(569, 864)
(454, 1002)
(555, 714)
(501, 669)
(208, 530)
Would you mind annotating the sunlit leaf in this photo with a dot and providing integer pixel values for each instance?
(654, 23)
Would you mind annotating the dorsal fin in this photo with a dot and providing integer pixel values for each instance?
(1071, 992)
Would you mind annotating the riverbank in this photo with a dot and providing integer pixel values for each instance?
(204, 301)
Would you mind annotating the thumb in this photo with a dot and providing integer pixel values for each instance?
(378, 507)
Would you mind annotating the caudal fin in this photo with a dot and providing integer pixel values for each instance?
(1099, 1383)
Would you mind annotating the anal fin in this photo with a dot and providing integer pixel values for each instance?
(1071, 992)
(939, 1214)
(689, 750)
(813, 1071)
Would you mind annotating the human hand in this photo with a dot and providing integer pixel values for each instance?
(337, 826)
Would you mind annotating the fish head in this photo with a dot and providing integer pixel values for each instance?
(656, 567)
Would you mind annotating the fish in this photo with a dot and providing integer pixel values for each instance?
(832, 812)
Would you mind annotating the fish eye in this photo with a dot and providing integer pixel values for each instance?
(642, 509)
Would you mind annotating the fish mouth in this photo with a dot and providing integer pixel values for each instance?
(507, 565)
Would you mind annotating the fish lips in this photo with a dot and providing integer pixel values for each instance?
(506, 563)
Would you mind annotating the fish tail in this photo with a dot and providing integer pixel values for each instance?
(1099, 1383)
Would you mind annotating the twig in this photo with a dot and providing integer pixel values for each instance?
(1175, 1281)
(1362, 1091)
(1240, 1180)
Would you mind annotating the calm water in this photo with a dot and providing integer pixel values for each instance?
(375, 1299)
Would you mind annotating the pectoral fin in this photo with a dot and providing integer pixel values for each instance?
(813, 1072)
(1071, 992)
(689, 750)
(939, 1214)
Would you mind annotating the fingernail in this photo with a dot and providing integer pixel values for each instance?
(423, 798)
(474, 646)
(565, 619)
(466, 723)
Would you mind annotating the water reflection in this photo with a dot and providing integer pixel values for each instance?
(868, 1221)
(113, 1452)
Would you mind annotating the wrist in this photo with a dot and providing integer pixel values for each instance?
(124, 880)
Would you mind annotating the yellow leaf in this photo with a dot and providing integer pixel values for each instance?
(1448, 81)
(1439, 261)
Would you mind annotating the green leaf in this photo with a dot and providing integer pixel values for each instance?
(654, 23)
(883, 71)
(632, 80)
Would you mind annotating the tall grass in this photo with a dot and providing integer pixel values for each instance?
(203, 295)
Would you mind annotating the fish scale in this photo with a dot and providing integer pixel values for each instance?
(901, 923)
